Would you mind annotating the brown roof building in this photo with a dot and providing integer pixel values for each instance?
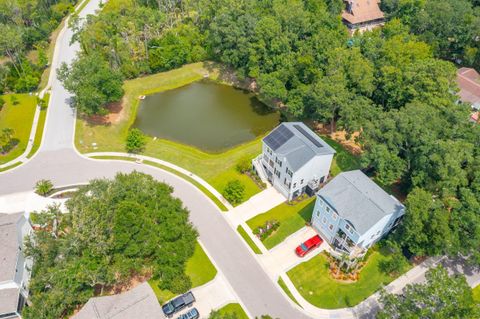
(362, 15)
(469, 83)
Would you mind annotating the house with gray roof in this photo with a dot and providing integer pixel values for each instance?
(352, 213)
(139, 302)
(14, 267)
(294, 159)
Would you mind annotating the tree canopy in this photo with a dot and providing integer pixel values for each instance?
(112, 230)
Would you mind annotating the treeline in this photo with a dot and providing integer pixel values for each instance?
(113, 230)
(26, 26)
(450, 27)
(388, 84)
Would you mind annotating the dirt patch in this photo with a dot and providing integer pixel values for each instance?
(341, 137)
(116, 113)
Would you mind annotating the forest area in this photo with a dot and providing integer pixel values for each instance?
(26, 27)
(395, 85)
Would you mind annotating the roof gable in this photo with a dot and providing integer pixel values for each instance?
(356, 198)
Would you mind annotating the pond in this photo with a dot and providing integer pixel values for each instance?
(210, 116)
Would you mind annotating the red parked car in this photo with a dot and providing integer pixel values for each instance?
(308, 246)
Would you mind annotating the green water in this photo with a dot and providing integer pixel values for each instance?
(207, 115)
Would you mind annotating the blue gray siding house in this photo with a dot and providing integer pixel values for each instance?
(294, 159)
(352, 213)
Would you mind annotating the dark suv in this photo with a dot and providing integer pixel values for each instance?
(177, 304)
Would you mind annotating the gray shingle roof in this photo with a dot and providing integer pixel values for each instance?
(9, 243)
(139, 302)
(297, 143)
(359, 200)
(8, 300)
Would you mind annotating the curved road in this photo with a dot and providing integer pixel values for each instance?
(58, 161)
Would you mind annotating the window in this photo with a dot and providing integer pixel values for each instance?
(301, 182)
(324, 220)
(378, 233)
(321, 203)
(328, 209)
(318, 213)
(330, 227)
(351, 231)
(334, 216)
(289, 172)
(347, 227)
(294, 185)
(278, 174)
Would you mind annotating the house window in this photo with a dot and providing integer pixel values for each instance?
(334, 216)
(328, 209)
(378, 233)
(351, 231)
(318, 213)
(330, 227)
(289, 172)
(301, 182)
(278, 174)
(324, 220)
(294, 185)
(347, 227)
(321, 203)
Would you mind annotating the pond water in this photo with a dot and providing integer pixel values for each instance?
(207, 115)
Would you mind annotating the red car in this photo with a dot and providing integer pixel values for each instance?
(308, 246)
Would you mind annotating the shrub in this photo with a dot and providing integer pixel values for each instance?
(234, 192)
(136, 141)
(244, 165)
(7, 141)
(394, 265)
(13, 100)
(43, 187)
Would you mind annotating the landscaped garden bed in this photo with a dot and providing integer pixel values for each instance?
(315, 283)
(289, 217)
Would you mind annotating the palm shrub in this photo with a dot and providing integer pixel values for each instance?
(43, 187)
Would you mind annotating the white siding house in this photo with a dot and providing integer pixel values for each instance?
(14, 267)
(352, 213)
(294, 159)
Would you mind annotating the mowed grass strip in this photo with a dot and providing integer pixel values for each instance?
(290, 217)
(18, 117)
(40, 127)
(248, 240)
(199, 268)
(189, 179)
(233, 310)
(216, 168)
(284, 287)
(314, 283)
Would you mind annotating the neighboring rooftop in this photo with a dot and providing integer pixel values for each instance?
(469, 83)
(361, 11)
(359, 200)
(297, 143)
(139, 302)
(10, 240)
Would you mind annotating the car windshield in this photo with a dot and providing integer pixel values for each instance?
(304, 248)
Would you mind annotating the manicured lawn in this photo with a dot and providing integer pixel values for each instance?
(248, 240)
(216, 169)
(343, 159)
(18, 117)
(476, 294)
(284, 287)
(291, 218)
(315, 284)
(199, 268)
(233, 309)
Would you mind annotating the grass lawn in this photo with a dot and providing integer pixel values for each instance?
(216, 169)
(284, 287)
(476, 294)
(18, 117)
(343, 159)
(199, 268)
(248, 240)
(40, 127)
(233, 309)
(314, 283)
(291, 218)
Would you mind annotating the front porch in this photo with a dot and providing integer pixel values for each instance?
(343, 244)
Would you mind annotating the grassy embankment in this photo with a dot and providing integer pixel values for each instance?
(18, 117)
(216, 169)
